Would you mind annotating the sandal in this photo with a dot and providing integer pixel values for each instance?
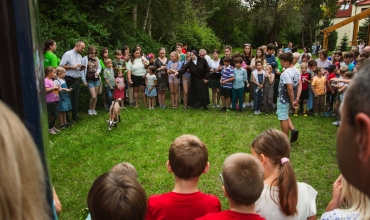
(136, 106)
(51, 131)
(55, 129)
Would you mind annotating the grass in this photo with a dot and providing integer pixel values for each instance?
(79, 154)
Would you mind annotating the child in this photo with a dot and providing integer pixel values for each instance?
(306, 81)
(118, 63)
(186, 78)
(64, 104)
(188, 159)
(338, 85)
(343, 86)
(151, 83)
(226, 81)
(119, 90)
(104, 55)
(319, 90)
(260, 55)
(240, 77)
(115, 189)
(109, 81)
(52, 98)
(242, 179)
(282, 197)
(258, 78)
(338, 58)
(172, 67)
(182, 56)
(290, 88)
(268, 89)
(331, 91)
(311, 64)
(348, 60)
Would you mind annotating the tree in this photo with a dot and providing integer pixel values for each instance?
(362, 33)
(332, 36)
(344, 43)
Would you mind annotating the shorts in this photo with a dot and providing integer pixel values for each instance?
(330, 98)
(304, 95)
(282, 111)
(52, 108)
(186, 79)
(214, 83)
(92, 84)
(225, 92)
(172, 78)
(137, 81)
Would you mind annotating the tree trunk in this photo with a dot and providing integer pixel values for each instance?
(302, 37)
(134, 15)
(310, 34)
(150, 25)
(146, 15)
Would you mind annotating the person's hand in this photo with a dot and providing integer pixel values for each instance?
(335, 79)
(144, 76)
(176, 73)
(130, 81)
(111, 87)
(332, 92)
(295, 105)
(85, 83)
(337, 189)
(205, 81)
(70, 89)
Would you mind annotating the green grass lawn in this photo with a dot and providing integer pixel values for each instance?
(79, 154)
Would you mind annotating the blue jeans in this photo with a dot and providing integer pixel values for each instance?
(237, 94)
(109, 93)
(257, 98)
(310, 98)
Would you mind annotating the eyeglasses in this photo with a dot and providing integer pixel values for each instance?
(247, 44)
(222, 179)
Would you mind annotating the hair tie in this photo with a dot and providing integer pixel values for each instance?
(284, 160)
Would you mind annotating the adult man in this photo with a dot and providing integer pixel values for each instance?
(71, 61)
(318, 48)
(203, 54)
(289, 48)
(353, 138)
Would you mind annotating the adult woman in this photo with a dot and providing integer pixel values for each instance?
(306, 52)
(50, 59)
(136, 75)
(22, 182)
(199, 69)
(322, 61)
(346, 195)
(214, 82)
(186, 78)
(160, 65)
(282, 197)
(247, 56)
(90, 76)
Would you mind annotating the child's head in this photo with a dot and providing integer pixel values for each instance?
(126, 169)
(348, 57)
(61, 72)
(268, 68)
(303, 67)
(227, 60)
(236, 55)
(215, 53)
(342, 70)
(338, 56)
(305, 57)
(280, 51)
(271, 48)
(312, 64)
(92, 51)
(286, 59)
(260, 53)
(119, 73)
(320, 71)
(179, 47)
(188, 157)
(274, 145)
(49, 72)
(296, 56)
(151, 69)
(331, 68)
(227, 50)
(348, 75)
(238, 62)
(355, 52)
(248, 50)
(125, 49)
(264, 48)
(114, 195)
(243, 177)
(104, 53)
(174, 55)
(258, 64)
(108, 63)
(323, 54)
(359, 62)
(117, 54)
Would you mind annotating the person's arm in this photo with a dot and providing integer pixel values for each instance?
(325, 87)
(299, 91)
(290, 92)
(313, 84)
(98, 70)
(312, 217)
(254, 80)
(273, 63)
(337, 191)
(83, 72)
(341, 80)
(146, 81)
(57, 204)
(183, 69)
(272, 79)
(341, 90)
(263, 80)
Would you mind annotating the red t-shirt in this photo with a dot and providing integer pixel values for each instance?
(183, 50)
(305, 84)
(181, 206)
(330, 76)
(226, 215)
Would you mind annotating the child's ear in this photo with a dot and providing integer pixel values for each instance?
(263, 159)
(169, 168)
(206, 169)
(225, 193)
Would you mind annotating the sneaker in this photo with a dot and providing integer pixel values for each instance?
(305, 115)
(94, 112)
(218, 106)
(244, 105)
(123, 107)
(295, 114)
(51, 131)
(256, 112)
(251, 104)
(223, 109)
(336, 123)
(259, 112)
(227, 110)
(90, 112)
(55, 129)
(214, 106)
(63, 126)
(294, 135)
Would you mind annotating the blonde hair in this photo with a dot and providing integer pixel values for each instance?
(60, 70)
(354, 200)
(22, 183)
(296, 55)
(125, 168)
(176, 54)
(304, 64)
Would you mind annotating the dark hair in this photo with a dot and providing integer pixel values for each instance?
(262, 54)
(114, 195)
(348, 55)
(236, 54)
(227, 59)
(258, 61)
(306, 55)
(215, 50)
(307, 49)
(270, 46)
(152, 68)
(339, 53)
(250, 51)
(275, 145)
(132, 55)
(91, 49)
(188, 156)
(355, 52)
(102, 51)
(238, 60)
(48, 70)
(179, 44)
(47, 44)
(324, 53)
(287, 57)
(312, 63)
(124, 48)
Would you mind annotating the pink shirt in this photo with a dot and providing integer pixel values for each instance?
(51, 96)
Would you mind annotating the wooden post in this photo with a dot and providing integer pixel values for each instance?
(355, 32)
(325, 41)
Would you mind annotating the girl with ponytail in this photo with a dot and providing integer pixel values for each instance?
(282, 197)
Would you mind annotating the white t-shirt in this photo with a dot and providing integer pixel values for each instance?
(306, 205)
(137, 69)
(214, 64)
(151, 79)
(339, 214)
